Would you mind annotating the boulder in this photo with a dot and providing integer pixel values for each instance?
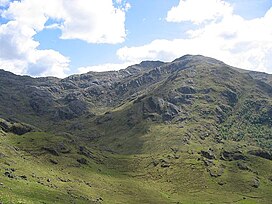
(208, 162)
(243, 166)
(9, 174)
(165, 165)
(4, 125)
(261, 153)
(51, 150)
(255, 183)
(62, 148)
(15, 127)
(2, 155)
(221, 183)
(23, 177)
(53, 161)
(155, 162)
(187, 90)
(82, 161)
(232, 155)
(207, 154)
(216, 171)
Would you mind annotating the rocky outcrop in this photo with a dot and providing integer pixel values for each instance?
(230, 96)
(51, 150)
(261, 153)
(161, 107)
(255, 183)
(84, 151)
(187, 90)
(191, 89)
(207, 154)
(243, 166)
(232, 155)
(15, 127)
(82, 161)
(216, 171)
(57, 149)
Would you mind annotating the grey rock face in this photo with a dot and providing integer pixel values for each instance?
(161, 107)
(232, 155)
(261, 153)
(207, 154)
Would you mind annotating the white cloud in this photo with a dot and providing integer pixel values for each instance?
(48, 63)
(198, 11)
(96, 21)
(230, 38)
(118, 1)
(127, 6)
(105, 67)
(19, 53)
(123, 4)
(4, 2)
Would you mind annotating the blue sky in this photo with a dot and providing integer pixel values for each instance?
(58, 38)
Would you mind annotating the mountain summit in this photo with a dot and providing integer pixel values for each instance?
(194, 130)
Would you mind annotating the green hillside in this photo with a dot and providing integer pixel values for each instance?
(194, 130)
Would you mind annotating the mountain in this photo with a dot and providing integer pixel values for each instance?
(194, 130)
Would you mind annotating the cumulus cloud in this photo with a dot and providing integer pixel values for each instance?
(105, 67)
(124, 4)
(96, 21)
(227, 37)
(19, 53)
(93, 21)
(4, 3)
(198, 11)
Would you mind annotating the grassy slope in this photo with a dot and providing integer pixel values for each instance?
(111, 185)
(123, 178)
(124, 168)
